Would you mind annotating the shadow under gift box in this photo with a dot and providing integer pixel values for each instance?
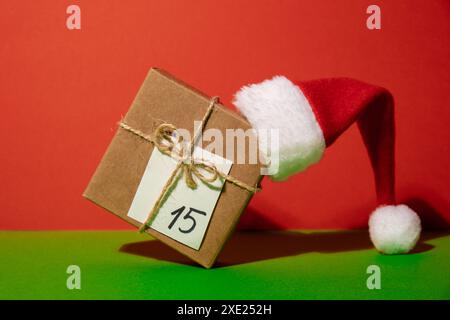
(164, 99)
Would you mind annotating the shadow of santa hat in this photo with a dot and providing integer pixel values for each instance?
(310, 116)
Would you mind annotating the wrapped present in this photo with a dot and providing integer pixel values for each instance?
(169, 186)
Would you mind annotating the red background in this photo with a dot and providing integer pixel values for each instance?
(62, 93)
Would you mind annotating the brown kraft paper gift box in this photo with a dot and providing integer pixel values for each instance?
(162, 98)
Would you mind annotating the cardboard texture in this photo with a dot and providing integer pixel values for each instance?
(160, 99)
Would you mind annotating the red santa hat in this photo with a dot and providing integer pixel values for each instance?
(310, 116)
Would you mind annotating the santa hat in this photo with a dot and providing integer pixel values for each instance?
(310, 116)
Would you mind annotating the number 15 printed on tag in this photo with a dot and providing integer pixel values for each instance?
(186, 213)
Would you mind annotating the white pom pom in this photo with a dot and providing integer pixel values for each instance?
(394, 229)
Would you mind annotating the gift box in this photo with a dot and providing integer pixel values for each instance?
(192, 206)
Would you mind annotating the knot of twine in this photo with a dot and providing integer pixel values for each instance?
(163, 139)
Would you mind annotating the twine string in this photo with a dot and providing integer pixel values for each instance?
(163, 139)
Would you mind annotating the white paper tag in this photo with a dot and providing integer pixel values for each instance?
(186, 213)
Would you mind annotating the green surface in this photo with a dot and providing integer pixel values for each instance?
(284, 265)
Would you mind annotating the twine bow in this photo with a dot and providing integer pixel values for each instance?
(163, 139)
